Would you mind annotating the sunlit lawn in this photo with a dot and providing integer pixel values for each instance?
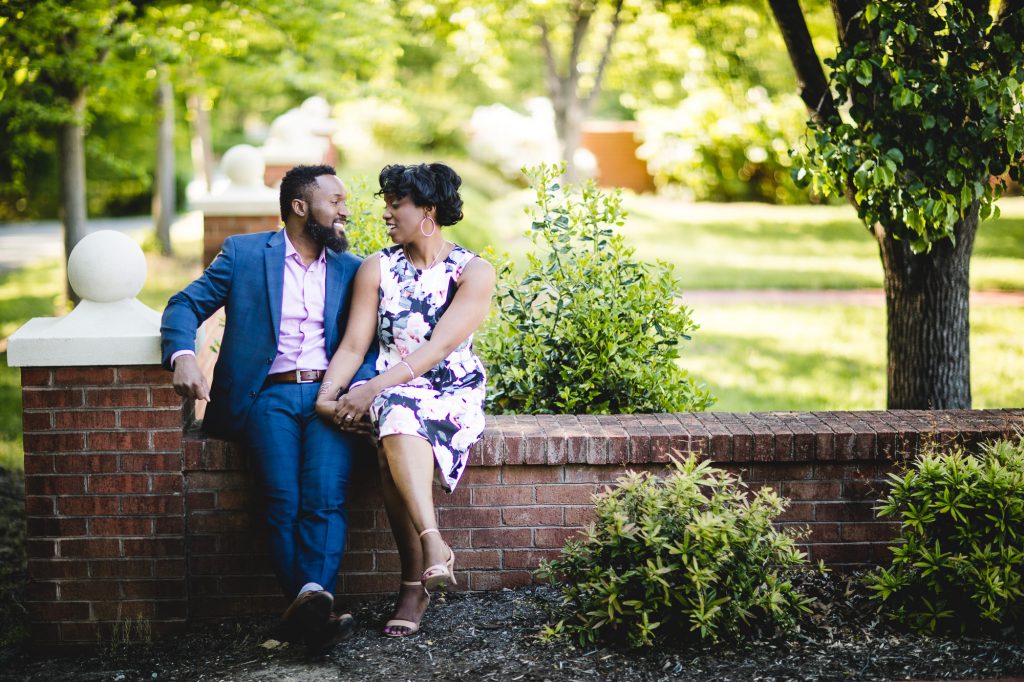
(757, 246)
(808, 357)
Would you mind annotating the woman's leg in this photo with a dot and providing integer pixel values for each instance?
(412, 599)
(406, 536)
(411, 463)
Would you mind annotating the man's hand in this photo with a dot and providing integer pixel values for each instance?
(188, 381)
(327, 408)
(351, 410)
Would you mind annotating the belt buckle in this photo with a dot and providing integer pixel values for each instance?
(298, 378)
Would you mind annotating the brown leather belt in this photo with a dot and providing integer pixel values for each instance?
(298, 376)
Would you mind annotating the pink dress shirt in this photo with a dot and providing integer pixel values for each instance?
(301, 343)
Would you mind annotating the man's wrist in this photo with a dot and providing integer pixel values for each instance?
(180, 353)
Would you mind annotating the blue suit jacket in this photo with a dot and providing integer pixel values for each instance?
(247, 280)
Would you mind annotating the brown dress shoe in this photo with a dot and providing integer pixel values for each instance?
(339, 626)
(306, 616)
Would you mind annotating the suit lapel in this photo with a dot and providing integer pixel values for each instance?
(334, 288)
(273, 260)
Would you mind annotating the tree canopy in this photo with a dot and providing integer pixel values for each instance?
(239, 58)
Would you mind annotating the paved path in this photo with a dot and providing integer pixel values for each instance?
(22, 244)
(26, 243)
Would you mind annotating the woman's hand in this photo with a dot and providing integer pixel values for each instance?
(354, 405)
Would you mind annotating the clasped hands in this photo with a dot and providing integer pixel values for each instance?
(350, 412)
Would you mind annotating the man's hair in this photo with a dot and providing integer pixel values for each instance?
(296, 184)
(432, 184)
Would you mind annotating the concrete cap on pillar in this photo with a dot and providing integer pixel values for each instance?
(245, 194)
(110, 326)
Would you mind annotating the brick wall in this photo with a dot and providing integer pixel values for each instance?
(531, 479)
(129, 515)
(103, 501)
(218, 228)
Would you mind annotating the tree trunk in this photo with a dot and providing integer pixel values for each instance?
(845, 14)
(202, 140)
(71, 170)
(811, 81)
(572, 107)
(927, 310)
(163, 190)
(571, 134)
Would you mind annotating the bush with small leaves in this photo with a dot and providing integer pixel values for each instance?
(959, 561)
(719, 145)
(686, 557)
(587, 328)
(365, 230)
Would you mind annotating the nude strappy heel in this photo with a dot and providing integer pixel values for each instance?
(439, 574)
(411, 628)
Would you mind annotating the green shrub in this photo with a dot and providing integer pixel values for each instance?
(587, 328)
(957, 563)
(365, 230)
(688, 556)
(725, 146)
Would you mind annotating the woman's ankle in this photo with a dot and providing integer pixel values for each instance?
(435, 549)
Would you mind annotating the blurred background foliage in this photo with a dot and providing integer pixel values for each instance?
(709, 83)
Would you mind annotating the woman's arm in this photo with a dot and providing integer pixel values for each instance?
(360, 332)
(468, 309)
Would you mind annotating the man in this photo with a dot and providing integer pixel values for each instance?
(286, 298)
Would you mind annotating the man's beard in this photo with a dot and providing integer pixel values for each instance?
(326, 236)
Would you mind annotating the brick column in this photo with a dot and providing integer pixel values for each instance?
(217, 228)
(243, 206)
(103, 471)
(103, 501)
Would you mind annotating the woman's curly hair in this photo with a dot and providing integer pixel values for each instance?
(429, 184)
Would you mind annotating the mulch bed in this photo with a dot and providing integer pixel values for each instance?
(493, 636)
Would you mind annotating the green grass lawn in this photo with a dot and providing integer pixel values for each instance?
(757, 246)
(832, 357)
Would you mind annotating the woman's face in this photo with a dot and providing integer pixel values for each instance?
(402, 218)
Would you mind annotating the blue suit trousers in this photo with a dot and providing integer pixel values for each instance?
(303, 464)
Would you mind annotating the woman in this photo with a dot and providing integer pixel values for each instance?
(422, 299)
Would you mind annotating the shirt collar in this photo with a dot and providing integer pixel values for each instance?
(290, 252)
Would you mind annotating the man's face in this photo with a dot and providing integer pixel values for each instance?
(327, 213)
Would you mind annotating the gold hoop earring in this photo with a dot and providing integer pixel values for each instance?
(433, 226)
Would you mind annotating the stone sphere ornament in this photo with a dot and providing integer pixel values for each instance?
(107, 266)
(244, 166)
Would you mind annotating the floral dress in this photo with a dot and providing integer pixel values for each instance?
(445, 404)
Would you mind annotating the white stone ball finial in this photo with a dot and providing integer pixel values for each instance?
(106, 266)
(109, 326)
(316, 107)
(244, 166)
